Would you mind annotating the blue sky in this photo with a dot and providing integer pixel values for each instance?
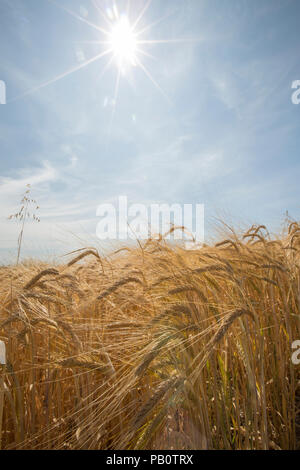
(222, 131)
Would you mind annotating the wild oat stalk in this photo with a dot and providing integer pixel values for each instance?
(24, 214)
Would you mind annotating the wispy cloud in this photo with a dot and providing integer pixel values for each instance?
(11, 186)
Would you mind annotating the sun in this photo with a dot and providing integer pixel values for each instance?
(123, 43)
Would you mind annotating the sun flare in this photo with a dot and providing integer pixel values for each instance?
(123, 42)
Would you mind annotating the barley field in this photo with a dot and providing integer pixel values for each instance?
(155, 347)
